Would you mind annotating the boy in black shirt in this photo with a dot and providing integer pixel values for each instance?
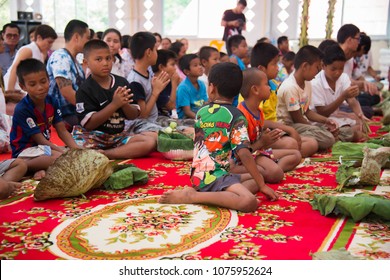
(103, 102)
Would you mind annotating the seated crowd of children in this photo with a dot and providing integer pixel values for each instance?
(254, 117)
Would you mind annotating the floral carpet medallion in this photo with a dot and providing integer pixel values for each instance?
(140, 229)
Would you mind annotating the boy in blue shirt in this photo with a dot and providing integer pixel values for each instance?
(34, 115)
(191, 93)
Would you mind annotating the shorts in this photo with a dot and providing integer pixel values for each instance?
(36, 151)
(95, 139)
(4, 165)
(222, 183)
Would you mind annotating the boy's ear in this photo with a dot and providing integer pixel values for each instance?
(203, 62)
(186, 72)
(261, 68)
(160, 67)
(211, 91)
(85, 62)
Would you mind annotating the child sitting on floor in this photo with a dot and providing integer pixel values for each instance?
(191, 93)
(294, 97)
(220, 134)
(331, 88)
(265, 57)
(208, 56)
(272, 163)
(166, 102)
(11, 171)
(34, 115)
(103, 102)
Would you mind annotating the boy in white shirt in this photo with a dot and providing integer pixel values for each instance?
(294, 97)
(331, 88)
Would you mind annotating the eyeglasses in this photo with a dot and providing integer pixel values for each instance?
(356, 38)
(10, 36)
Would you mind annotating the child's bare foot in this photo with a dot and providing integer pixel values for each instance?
(178, 196)
(39, 175)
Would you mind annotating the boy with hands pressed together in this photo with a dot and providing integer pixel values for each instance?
(103, 103)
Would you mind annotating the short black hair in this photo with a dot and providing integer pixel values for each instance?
(234, 41)
(282, 39)
(28, 66)
(75, 26)
(227, 78)
(242, 2)
(263, 40)
(91, 33)
(262, 54)
(10, 25)
(326, 43)
(289, 56)
(163, 56)
(176, 46)
(94, 44)
(365, 41)
(205, 52)
(185, 61)
(249, 79)
(156, 34)
(99, 34)
(125, 43)
(45, 31)
(309, 54)
(346, 31)
(140, 42)
(333, 53)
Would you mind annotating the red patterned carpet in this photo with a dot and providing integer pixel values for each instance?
(130, 224)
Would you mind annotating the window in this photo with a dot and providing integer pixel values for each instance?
(197, 18)
(370, 16)
(58, 13)
(4, 12)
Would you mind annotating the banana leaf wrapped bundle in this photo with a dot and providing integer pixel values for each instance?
(74, 173)
(175, 145)
(358, 206)
(349, 174)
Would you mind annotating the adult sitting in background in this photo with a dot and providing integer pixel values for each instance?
(165, 43)
(10, 34)
(363, 59)
(120, 66)
(44, 37)
(180, 50)
(65, 72)
(349, 40)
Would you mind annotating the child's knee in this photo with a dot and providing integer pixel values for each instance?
(248, 204)
(5, 189)
(20, 164)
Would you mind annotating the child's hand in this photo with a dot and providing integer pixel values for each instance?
(175, 79)
(160, 82)
(269, 137)
(371, 88)
(122, 96)
(269, 193)
(351, 92)
(331, 125)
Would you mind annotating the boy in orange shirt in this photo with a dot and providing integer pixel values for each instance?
(272, 163)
